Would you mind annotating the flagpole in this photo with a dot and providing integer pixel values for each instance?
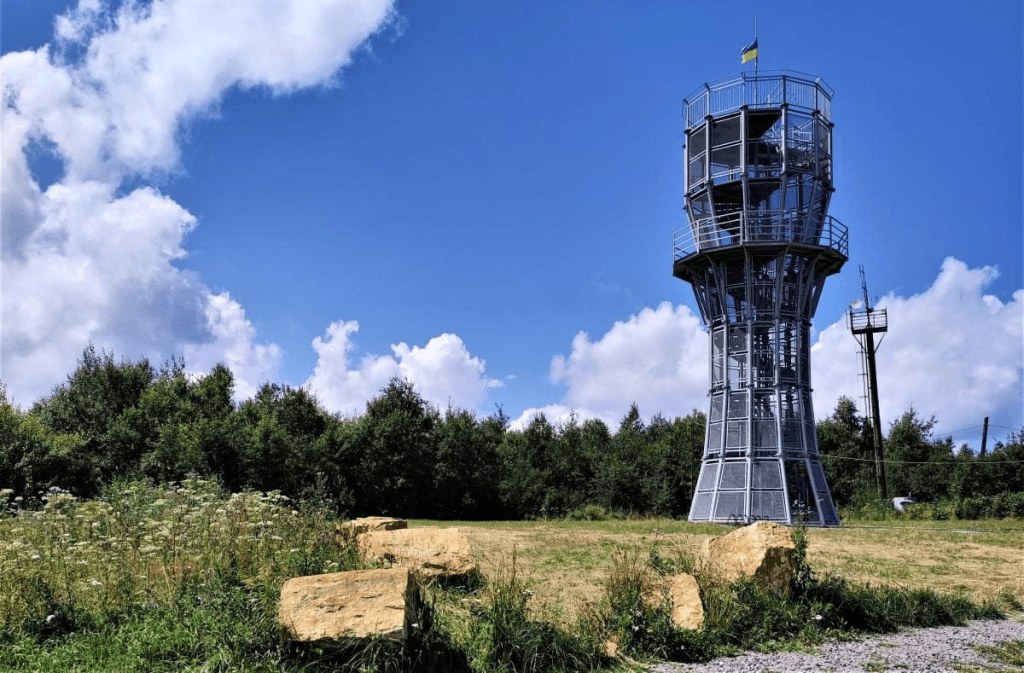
(755, 42)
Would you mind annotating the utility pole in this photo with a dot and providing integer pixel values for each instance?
(984, 436)
(865, 322)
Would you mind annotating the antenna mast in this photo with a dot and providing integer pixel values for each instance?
(865, 322)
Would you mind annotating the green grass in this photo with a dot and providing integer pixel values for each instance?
(187, 578)
(1010, 653)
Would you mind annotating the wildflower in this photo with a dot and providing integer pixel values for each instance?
(49, 618)
(817, 617)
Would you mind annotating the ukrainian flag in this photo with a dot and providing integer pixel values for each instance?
(749, 52)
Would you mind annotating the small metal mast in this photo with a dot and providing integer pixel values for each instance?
(757, 251)
(865, 323)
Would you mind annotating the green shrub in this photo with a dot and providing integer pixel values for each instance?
(588, 513)
(637, 612)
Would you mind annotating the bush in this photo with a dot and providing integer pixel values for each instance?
(998, 506)
(588, 513)
(637, 612)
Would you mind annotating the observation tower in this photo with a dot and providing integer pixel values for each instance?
(757, 251)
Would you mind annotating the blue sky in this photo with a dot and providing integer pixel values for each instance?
(489, 190)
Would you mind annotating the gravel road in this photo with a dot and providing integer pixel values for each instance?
(921, 650)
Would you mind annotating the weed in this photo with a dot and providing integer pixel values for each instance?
(637, 612)
(1010, 653)
(508, 640)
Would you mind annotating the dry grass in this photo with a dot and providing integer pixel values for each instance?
(978, 564)
(565, 563)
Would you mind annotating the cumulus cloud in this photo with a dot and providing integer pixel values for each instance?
(657, 358)
(952, 351)
(234, 345)
(442, 371)
(85, 259)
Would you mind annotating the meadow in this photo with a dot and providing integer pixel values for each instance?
(567, 561)
(186, 577)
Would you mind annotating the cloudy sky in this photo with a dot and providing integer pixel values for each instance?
(481, 196)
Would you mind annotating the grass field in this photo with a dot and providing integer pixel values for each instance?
(565, 563)
(187, 577)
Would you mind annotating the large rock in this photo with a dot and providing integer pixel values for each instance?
(429, 551)
(341, 607)
(351, 529)
(763, 551)
(687, 609)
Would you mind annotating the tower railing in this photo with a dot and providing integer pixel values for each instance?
(753, 228)
(767, 89)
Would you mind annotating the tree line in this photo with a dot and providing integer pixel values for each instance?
(404, 457)
(932, 469)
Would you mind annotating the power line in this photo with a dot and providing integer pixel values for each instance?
(955, 432)
(925, 462)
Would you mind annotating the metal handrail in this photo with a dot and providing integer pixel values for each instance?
(798, 90)
(757, 228)
(868, 320)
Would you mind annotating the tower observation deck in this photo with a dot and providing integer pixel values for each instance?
(757, 251)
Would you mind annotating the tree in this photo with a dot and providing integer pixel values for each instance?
(281, 451)
(523, 487)
(94, 395)
(847, 453)
(396, 449)
(570, 470)
(465, 474)
(88, 407)
(622, 482)
(677, 450)
(920, 467)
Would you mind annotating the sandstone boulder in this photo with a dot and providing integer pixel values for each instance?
(341, 607)
(349, 530)
(687, 609)
(429, 551)
(763, 551)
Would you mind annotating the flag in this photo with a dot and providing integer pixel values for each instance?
(749, 52)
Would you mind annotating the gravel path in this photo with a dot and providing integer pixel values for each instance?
(922, 650)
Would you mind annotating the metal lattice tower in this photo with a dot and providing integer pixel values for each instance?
(758, 249)
(865, 323)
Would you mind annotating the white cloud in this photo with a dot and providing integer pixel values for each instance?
(82, 261)
(442, 371)
(951, 351)
(657, 358)
(233, 344)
